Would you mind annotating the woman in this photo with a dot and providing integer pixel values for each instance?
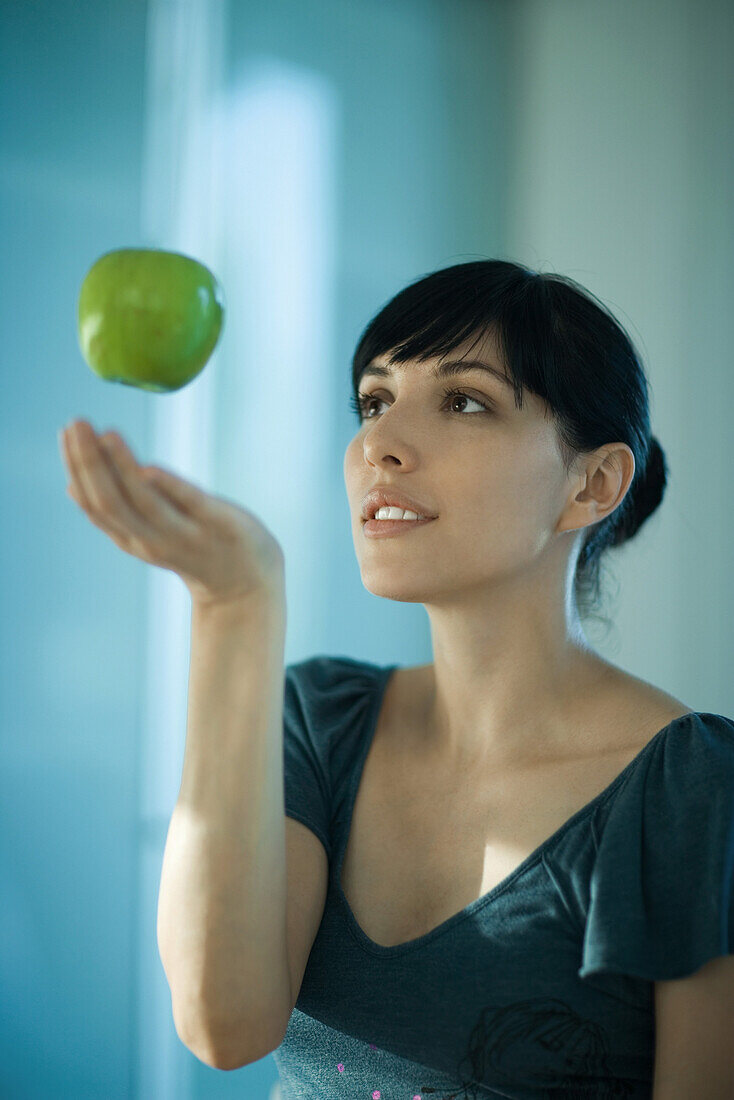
(523, 837)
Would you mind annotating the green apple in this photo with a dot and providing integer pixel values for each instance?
(149, 318)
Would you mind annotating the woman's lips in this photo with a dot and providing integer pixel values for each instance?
(385, 528)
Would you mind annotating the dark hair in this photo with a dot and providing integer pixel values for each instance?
(560, 342)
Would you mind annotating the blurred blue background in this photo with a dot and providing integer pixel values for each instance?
(317, 157)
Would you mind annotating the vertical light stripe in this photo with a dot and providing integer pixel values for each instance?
(240, 178)
(180, 212)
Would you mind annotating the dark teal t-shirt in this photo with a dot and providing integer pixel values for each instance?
(542, 988)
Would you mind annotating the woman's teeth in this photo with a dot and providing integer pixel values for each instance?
(397, 513)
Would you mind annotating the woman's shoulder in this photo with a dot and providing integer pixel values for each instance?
(636, 709)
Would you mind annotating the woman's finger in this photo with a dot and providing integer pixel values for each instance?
(184, 495)
(93, 480)
(145, 495)
(204, 508)
(100, 488)
(124, 541)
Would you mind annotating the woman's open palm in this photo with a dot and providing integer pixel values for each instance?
(221, 551)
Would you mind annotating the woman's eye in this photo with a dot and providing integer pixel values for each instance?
(362, 403)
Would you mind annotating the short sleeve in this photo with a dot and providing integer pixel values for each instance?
(305, 762)
(326, 703)
(661, 894)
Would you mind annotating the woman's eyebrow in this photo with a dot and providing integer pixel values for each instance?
(444, 370)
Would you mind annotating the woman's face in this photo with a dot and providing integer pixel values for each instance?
(493, 476)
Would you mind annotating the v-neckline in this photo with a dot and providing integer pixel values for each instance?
(382, 680)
